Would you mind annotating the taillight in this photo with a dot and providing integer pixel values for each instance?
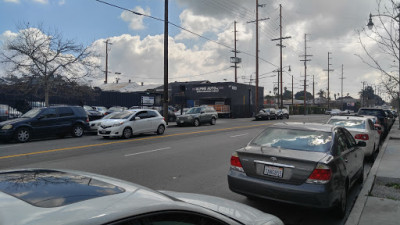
(235, 162)
(87, 119)
(321, 175)
(363, 137)
(6, 112)
(163, 118)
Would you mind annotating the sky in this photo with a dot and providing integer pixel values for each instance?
(136, 50)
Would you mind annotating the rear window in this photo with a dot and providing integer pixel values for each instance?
(304, 140)
(48, 188)
(350, 124)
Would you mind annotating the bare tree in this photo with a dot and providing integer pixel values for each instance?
(381, 44)
(45, 55)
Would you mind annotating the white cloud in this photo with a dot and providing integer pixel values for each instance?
(61, 2)
(12, 1)
(135, 21)
(41, 1)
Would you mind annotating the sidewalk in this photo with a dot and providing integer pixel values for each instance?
(379, 200)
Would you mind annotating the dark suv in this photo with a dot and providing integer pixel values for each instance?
(43, 122)
(379, 113)
(197, 116)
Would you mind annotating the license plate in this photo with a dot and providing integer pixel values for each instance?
(273, 171)
(181, 121)
(102, 131)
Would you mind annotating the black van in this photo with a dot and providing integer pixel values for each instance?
(44, 122)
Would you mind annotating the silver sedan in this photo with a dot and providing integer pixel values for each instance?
(43, 196)
(306, 164)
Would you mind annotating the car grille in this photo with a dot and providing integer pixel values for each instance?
(104, 127)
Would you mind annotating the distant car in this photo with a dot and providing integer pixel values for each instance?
(198, 115)
(171, 115)
(48, 196)
(115, 109)
(390, 116)
(282, 113)
(362, 129)
(44, 122)
(134, 121)
(92, 113)
(266, 114)
(94, 124)
(394, 112)
(328, 112)
(3, 112)
(101, 109)
(307, 164)
(335, 112)
(380, 114)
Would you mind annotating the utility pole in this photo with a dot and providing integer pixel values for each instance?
(281, 46)
(292, 92)
(329, 70)
(363, 94)
(235, 59)
(107, 43)
(341, 89)
(166, 100)
(305, 60)
(313, 90)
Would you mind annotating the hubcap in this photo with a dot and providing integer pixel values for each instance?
(23, 135)
(127, 133)
(160, 129)
(78, 131)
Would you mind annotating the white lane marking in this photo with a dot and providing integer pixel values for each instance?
(239, 135)
(155, 150)
(9, 146)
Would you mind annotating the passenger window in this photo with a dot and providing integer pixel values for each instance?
(171, 218)
(65, 111)
(342, 143)
(142, 115)
(49, 113)
(151, 114)
(350, 138)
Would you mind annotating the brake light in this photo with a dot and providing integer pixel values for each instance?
(321, 175)
(6, 112)
(235, 162)
(163, 118)
(87, 119)
(363, 137)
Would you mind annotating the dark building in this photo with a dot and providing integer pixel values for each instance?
(228, 98)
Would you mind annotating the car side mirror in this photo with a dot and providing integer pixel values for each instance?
(361, 144)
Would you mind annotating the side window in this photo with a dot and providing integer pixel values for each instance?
(142, 115)
(152, 114)
(342, 143)
(350, 138)
(371, 125)
(49, 113)
(65, 111)
(171, 218)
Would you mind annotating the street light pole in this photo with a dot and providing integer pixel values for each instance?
(397, 19)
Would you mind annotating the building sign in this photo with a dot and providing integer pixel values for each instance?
(211, 89)
(147, 100)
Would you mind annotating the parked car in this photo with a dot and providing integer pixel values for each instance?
(171, 115)
(335, 112)
(394, 112)
(390, 117)
(362, 129)
(94, 124)
(266, 114)
(307, 164)
(282, 113)
(115, 109)
(101, 109)
(3, 112)
(48, 196)
(44, 122)
(379, 113)
(92, 113)
(198, 115)
(129, 122)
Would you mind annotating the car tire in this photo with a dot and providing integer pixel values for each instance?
(268, 118)
(160, 130)
(77, 130)
(196, 122)
(213, 121)
(127, 133)
(341, 208)
(22, 135)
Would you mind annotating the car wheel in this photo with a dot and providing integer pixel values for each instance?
(77, 130)
(196, 123)
(127, 133)
(268, 118)
(340, 209)
(213, 121)
(23, 135)
(160, 129)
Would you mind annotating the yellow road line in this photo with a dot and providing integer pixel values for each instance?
(125, 141)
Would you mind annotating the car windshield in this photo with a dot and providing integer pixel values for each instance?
(193, 111)
(351, 124)
(304, 140)
(32, 113)
(122, 115)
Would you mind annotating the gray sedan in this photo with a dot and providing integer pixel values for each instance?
(43, 196)
(306, 164)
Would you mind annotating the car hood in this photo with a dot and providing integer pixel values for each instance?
(13, 121)
(110, 122)
(234, 210)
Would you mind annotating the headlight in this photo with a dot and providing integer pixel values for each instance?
(118, 124)
(7, 127)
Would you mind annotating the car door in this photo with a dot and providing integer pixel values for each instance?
(356, 154)
(45, 122)
(345, 152)
(374, 133)
(154, 120)
(65, 119)
(140, 125)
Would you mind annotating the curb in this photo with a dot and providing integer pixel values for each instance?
(358, 208)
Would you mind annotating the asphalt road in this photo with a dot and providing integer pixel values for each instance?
(187, 159)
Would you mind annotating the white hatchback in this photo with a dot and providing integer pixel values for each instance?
(129, 122)
(362, 129)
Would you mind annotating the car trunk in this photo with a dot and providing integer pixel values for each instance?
(279, 165)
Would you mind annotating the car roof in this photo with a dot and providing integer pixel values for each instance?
(350, 117)
(134, 200)
(305, 126)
